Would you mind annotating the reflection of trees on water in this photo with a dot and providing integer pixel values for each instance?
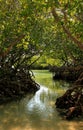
(45, 78)
(37, 112)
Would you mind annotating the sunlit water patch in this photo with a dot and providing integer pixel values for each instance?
(42, 103)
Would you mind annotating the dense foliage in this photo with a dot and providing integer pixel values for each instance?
(28, 29)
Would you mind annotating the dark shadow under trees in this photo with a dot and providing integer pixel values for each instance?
(15, 85)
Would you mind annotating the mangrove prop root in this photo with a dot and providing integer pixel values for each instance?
(72, 102)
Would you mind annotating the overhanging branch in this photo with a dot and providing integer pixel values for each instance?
(65, 28)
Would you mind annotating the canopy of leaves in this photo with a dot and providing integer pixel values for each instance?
(30, 29)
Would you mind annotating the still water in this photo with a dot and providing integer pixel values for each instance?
(38, 112)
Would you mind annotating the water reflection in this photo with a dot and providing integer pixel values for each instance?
(37, 112)
(42, 102)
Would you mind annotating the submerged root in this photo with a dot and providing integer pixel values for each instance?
(72, 102)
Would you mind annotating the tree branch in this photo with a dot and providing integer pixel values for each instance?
(11, 46)
(65, 28)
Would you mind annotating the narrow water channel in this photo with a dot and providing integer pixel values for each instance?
(38, 112)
